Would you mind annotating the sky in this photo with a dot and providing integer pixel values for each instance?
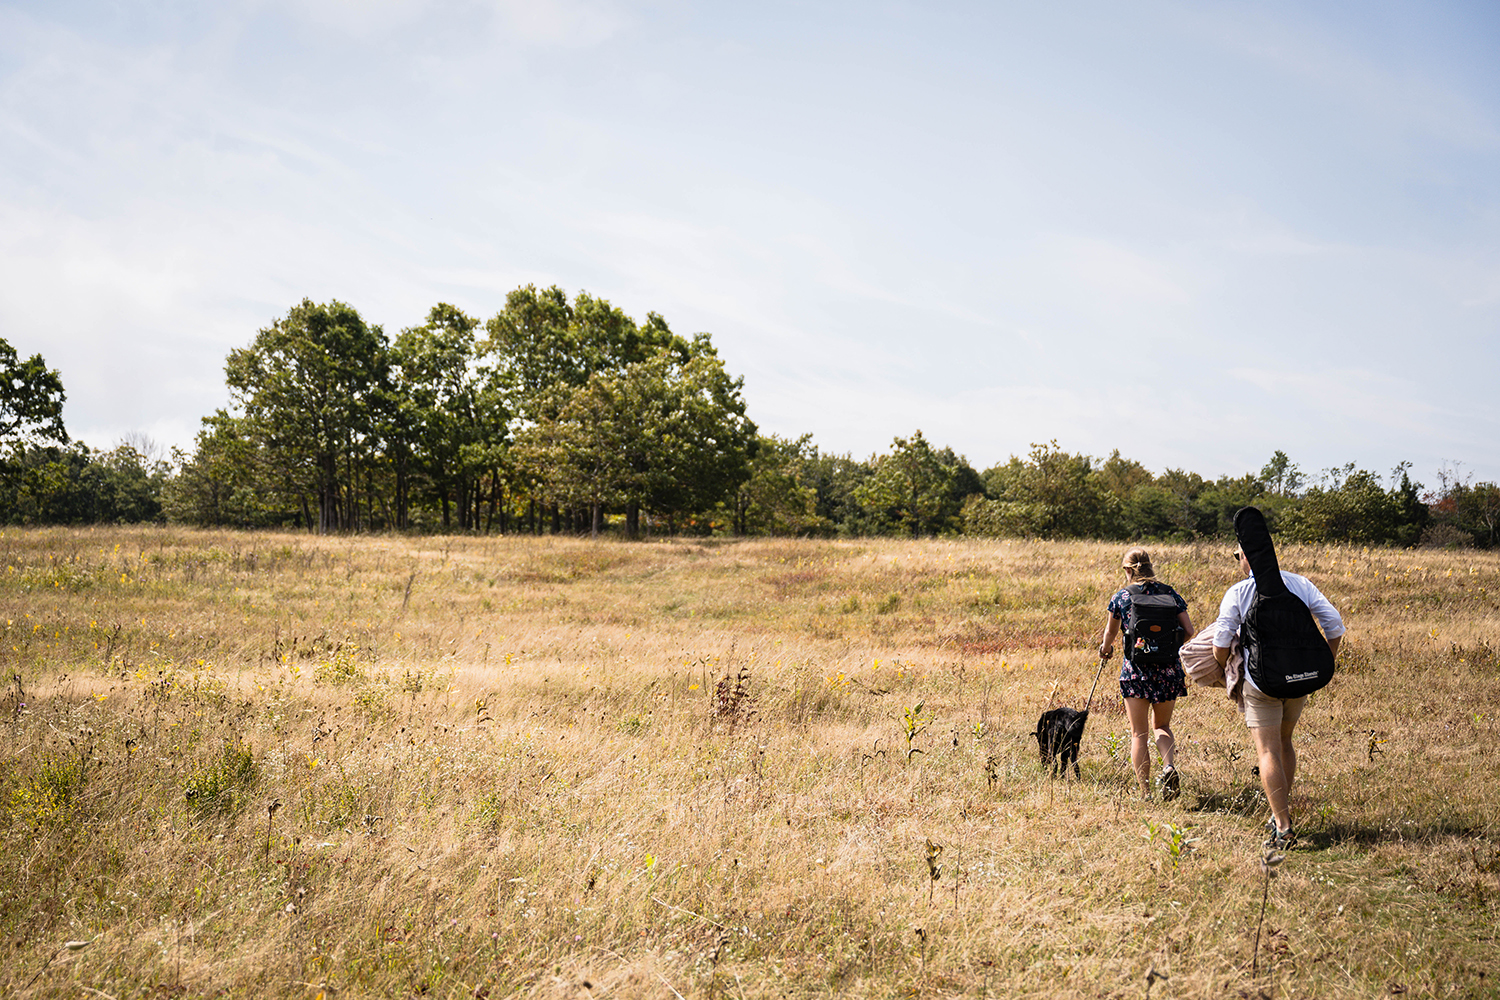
(1197, 232)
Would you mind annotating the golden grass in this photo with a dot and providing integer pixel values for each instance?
(503, 769)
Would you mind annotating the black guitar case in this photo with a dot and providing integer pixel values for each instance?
(1285, 651)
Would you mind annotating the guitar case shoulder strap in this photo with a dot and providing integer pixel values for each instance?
(1255, 541)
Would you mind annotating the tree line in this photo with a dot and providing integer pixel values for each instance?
(561, 415)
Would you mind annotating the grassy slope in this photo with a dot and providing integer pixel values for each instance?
(502, 768)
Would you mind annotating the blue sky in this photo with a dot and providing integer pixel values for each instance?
(1195, 232)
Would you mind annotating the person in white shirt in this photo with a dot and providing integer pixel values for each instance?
(1271, 720)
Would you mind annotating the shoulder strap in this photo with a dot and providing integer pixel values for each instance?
(1255, 541)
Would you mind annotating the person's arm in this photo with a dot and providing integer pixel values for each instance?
(1107, 641)
(1227, 624)
(1186, 621)
(1323, 611)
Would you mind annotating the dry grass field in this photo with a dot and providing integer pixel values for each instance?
(273, 765)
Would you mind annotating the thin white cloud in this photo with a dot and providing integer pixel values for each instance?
(1116, 273)
(1373, 399)
(1294, 40)
(548, 23)
(366, 18)
(573, 23)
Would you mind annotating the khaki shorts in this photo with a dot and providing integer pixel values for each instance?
(1262, 710)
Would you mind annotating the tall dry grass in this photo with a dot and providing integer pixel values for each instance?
(278, 765)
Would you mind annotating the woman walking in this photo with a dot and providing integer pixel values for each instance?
(1151, 678)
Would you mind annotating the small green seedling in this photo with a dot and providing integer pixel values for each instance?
(1178, 844)
(912, 723)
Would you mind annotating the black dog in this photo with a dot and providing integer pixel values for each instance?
(1058, 733)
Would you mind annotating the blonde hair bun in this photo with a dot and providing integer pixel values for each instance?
(1138, 561)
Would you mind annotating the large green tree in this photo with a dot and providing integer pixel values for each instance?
(310, 387)
(1051, 494)
(35, 473)
(230, 478)
(31, 399)
(580, 453)
(781, 495)
(540, 341)
(1281, 476)
(451, 421)
(666, 434)
(700, 439)
(836, 480)
(914, 487)
(541, 347)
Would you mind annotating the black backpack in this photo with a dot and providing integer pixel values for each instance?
(1285, 651)
(1152, 632)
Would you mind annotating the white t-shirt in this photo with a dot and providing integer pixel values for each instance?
(1238, 598)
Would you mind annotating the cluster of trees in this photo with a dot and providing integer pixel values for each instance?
(793, 489)
(919, 490)
(1464, 512)
(550, 416)
(560, 415)
(46, 478)
(1055, 494)
(76, 484)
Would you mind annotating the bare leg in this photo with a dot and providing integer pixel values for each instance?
(1288, 758)
(1138, 711)
(1166, 743)
(1278, 767)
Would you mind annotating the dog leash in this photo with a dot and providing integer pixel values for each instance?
(1102, 661)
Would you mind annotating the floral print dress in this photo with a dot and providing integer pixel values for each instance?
(1155, 682)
